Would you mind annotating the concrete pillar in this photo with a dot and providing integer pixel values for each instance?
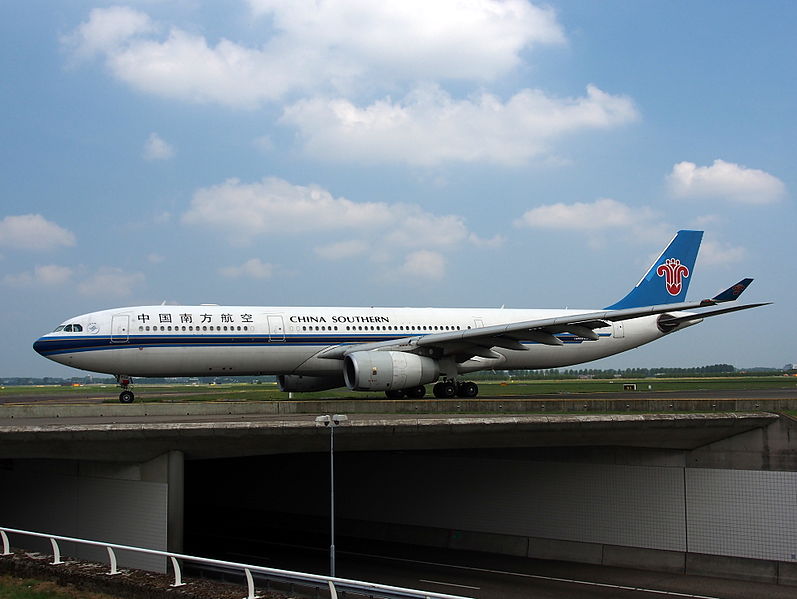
(175, 501)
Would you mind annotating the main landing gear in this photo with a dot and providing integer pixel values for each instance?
(126, 396)
(441, 390)
(451, 389)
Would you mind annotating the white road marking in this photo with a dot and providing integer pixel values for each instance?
(449, 584)
(550, 578)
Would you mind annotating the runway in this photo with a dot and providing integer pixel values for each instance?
(94, 396)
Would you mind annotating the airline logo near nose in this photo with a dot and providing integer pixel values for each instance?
(674, 273)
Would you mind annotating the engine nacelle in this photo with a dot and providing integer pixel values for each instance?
(297, 382)
(386, 370)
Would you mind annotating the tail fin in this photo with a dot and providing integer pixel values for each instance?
(667, 280)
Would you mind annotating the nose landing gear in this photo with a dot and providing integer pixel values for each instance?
(126, 396)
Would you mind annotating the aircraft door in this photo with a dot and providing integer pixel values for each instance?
(618, 330)
(478, 323)
(276, 328)
(120, 328)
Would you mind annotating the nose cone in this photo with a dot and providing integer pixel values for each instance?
(40, 346)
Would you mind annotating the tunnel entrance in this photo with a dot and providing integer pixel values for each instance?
(635, 507)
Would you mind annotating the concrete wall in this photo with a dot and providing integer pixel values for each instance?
(613, 506)
(126, 504)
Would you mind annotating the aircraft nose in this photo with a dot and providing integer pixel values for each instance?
(39, 345)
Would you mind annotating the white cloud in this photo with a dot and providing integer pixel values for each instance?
(334, 45)
(106, 30)
(424, 264)
(244, 210)
(156, 148)
(154, 258)
(414, 226)
(251, 269)
(725, 180)
(604, 212)
(430, 127)
(33, 232)
(493, 242)
(417, 39)
(49, 274)
(274, 206)
(342, 249)
(111, 282)
(384, 232)
(716, 253)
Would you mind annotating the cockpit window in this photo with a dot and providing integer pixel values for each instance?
(58, 328)
(73, 328)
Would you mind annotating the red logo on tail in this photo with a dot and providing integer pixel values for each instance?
(674, 272)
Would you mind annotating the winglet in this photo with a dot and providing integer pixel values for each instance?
(733, 292)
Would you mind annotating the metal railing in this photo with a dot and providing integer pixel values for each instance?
(332, 584)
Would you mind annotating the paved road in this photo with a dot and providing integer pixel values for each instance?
(487, 576)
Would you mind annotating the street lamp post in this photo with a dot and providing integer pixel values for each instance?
(332, 421)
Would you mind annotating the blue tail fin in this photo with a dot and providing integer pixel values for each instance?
(667, 280)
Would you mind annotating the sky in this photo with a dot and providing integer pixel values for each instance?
(466, 153)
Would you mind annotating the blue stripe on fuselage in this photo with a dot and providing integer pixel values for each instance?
(50, 346)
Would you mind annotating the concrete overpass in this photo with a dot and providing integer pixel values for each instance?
(710, 493)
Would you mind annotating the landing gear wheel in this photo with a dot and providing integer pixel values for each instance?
(445, 390)
(395, 394)
(416, 392)
(126, 397)
(468, 390)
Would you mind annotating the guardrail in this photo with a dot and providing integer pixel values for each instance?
(332, 584)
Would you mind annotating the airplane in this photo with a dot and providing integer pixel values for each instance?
(395, 350)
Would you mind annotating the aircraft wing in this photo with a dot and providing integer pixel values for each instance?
(479, 341)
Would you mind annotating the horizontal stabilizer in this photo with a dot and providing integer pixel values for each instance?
(706, 314)
(733, 292)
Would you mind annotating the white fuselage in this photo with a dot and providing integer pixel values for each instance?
(210, 340)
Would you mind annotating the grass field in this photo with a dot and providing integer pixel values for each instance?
(270, 391)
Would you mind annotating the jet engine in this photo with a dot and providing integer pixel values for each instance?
(387, 370)
(297, 382)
